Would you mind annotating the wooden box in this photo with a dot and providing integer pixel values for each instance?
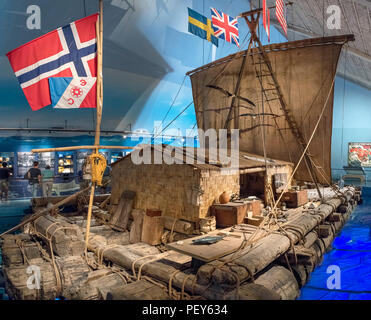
(152, 230)
(294, 199)
(229, 214)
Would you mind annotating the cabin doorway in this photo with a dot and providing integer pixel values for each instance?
(252, 184)
(279, 181)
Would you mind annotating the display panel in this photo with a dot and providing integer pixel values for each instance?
(359, 154)
(65, 163)
(7, 157)
(25, 162)
(46, 159)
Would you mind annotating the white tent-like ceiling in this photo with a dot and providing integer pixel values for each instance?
(309, 19)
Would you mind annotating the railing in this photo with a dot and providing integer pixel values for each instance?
(19, 188)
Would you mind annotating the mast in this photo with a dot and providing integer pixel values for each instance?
(253, 23)
(99, 34)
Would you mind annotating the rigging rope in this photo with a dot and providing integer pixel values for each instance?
(176, 96)
(179, 114)
(342, 124)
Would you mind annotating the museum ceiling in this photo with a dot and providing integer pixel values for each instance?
(309, 19)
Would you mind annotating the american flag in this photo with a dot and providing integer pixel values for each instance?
(280, 15)
(266, 19)
(225, 27)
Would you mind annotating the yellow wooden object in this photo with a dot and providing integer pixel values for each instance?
(98, 165)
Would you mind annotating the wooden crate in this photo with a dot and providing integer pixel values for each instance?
(152, 230)
(294, 199)
(229, 214)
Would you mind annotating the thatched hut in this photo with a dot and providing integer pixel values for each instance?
(186, 190)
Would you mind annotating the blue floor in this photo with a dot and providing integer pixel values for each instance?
(352, 254)
(12, 211)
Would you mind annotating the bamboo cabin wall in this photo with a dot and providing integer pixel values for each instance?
(213, 184)
(179, 190)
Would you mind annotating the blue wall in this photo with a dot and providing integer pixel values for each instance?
(351, 123)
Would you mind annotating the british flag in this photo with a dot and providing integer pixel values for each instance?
(65, 53)
(225, 27)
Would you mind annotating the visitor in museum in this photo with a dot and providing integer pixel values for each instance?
(34, 178)
(4, 181)
(47, 181)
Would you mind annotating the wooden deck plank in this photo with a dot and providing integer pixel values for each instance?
(209, 252)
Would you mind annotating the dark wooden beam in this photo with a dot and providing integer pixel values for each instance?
(279, 47)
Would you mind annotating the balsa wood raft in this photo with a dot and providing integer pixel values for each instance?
(267, 262)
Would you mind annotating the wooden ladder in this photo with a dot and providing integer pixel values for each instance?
(275, 89)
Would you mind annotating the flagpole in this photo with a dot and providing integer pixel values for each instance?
(99, 86)
(252, 12)
(99, 32)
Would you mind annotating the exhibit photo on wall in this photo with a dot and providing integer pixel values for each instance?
(359, 154)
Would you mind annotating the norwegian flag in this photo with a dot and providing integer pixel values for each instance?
(280, 15)
(225, 27)
(266, 19)
(68, 52)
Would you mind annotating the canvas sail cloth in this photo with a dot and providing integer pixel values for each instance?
(304, 70)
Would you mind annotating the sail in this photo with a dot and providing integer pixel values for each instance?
(302, 72)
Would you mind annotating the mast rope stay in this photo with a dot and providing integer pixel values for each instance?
(176, 96)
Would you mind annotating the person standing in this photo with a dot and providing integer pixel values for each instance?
(34, 178)
(47, 181)
(4, 181)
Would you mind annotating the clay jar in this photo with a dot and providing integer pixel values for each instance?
(224, 198)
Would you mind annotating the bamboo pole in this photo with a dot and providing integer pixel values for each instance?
(99, 35)
(99, 32)
(89, 218)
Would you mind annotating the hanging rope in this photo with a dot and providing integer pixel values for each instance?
(172, 104)
(174, 119)
(342, 123)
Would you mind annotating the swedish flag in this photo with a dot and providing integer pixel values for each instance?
(201, 26)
